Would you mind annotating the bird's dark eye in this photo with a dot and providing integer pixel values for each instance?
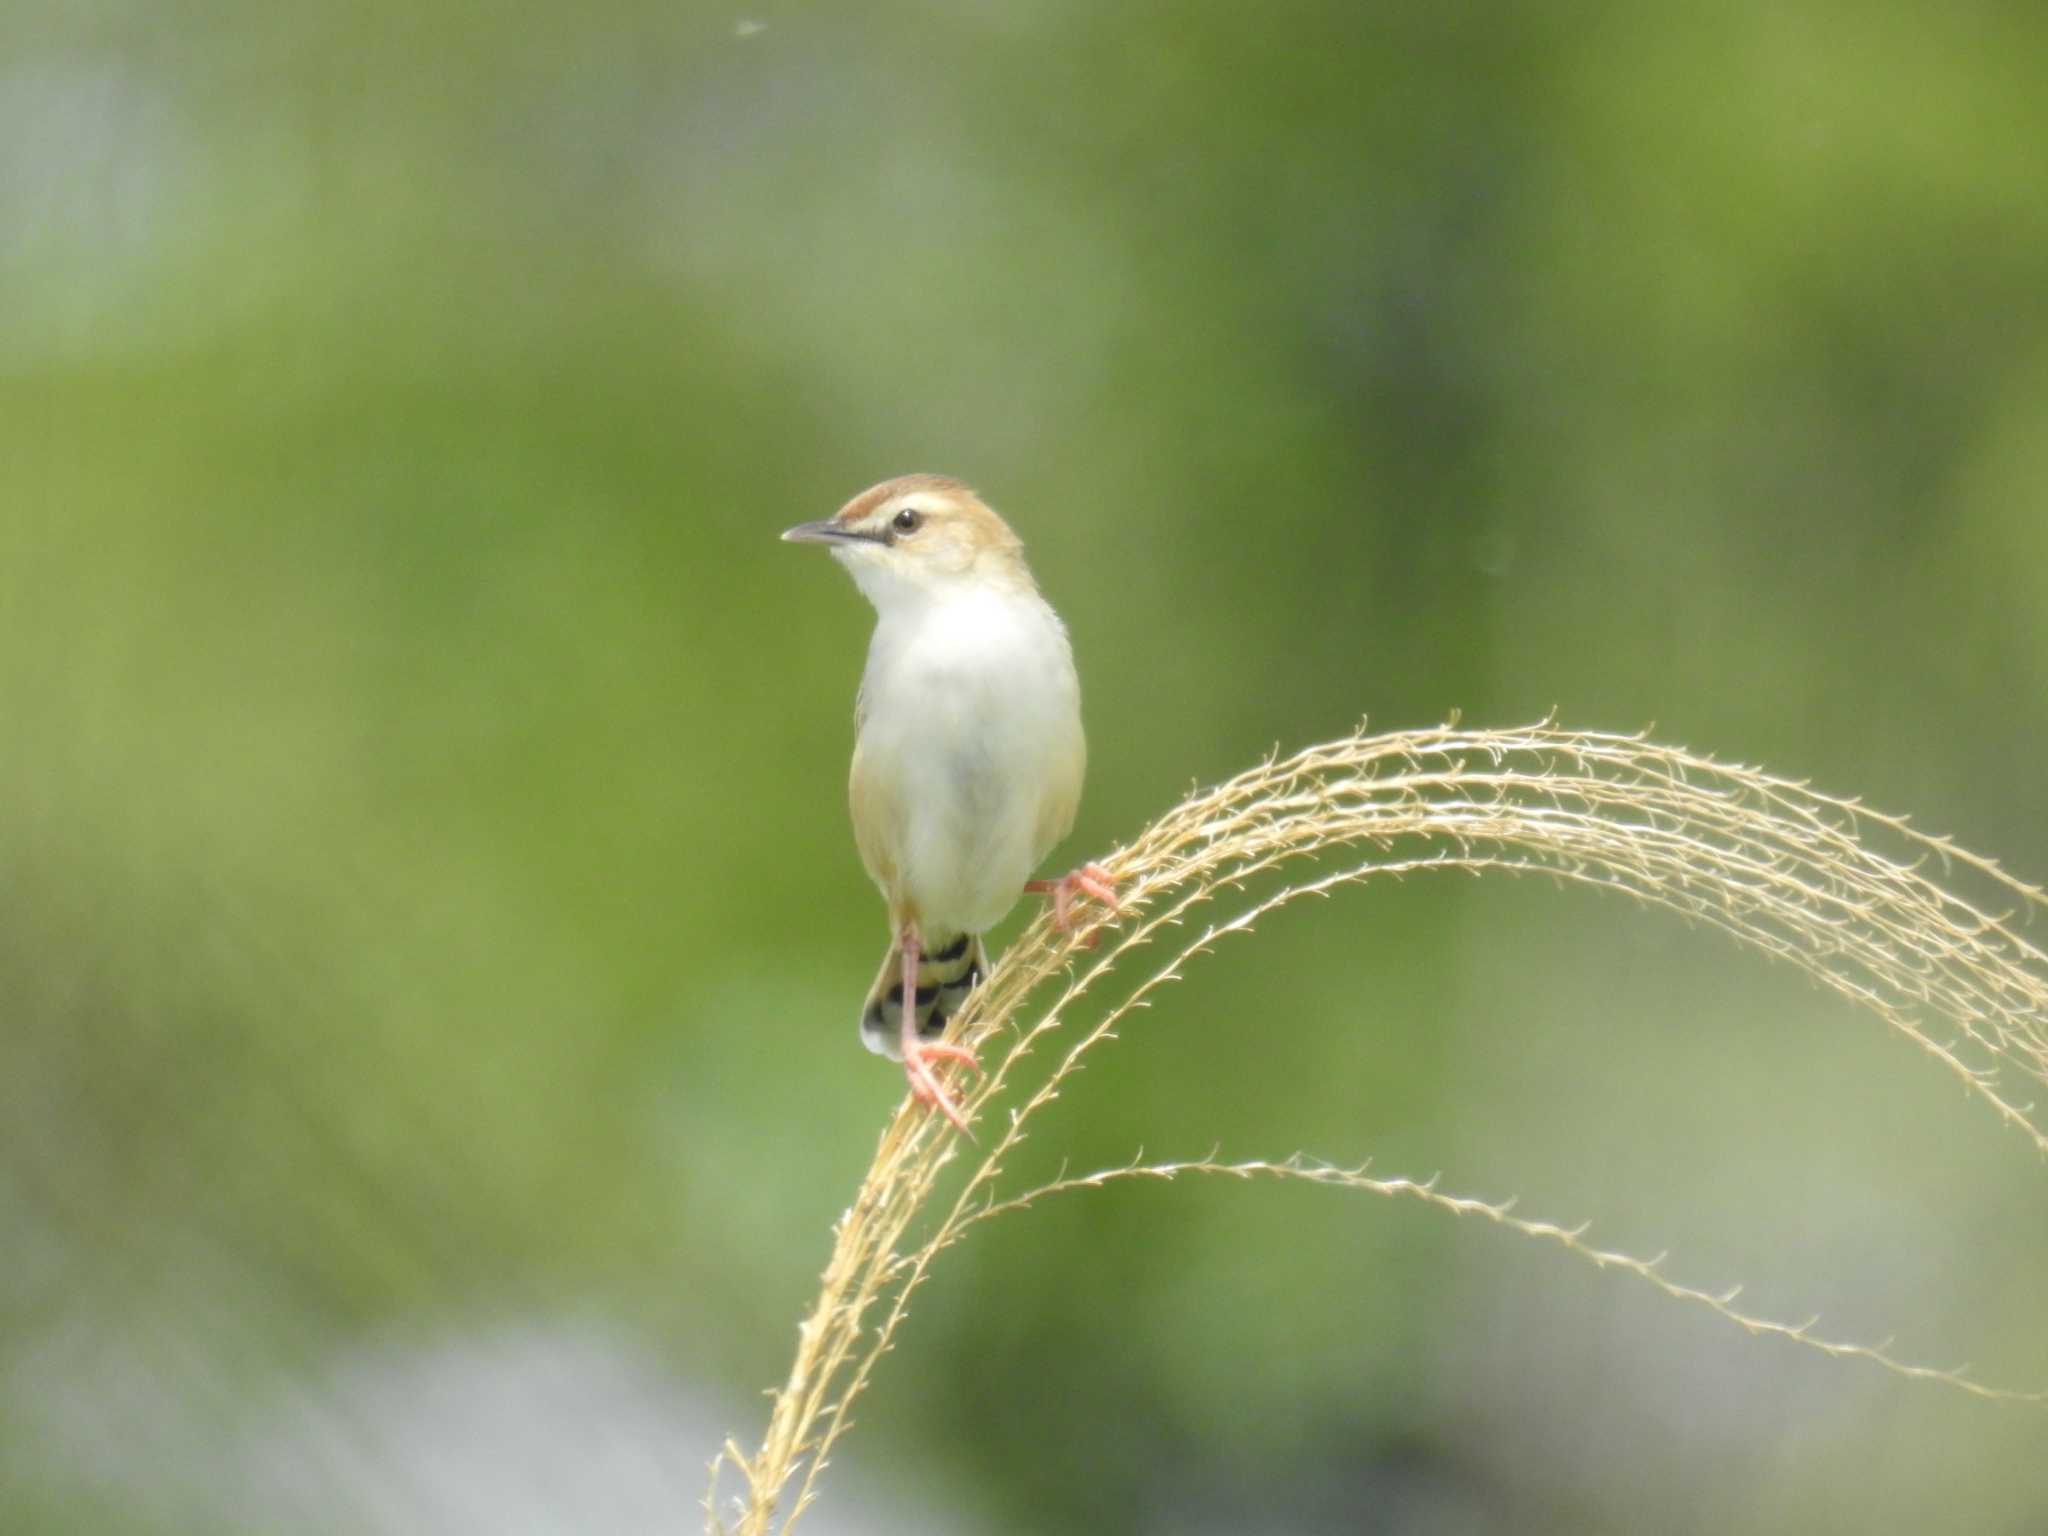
(906, 521)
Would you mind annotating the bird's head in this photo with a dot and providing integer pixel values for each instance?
(919, 536)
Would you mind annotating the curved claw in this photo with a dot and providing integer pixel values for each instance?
(959, 1053)
(1087, 880)
(927, 1089)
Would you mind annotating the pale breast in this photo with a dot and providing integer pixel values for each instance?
(969, 757)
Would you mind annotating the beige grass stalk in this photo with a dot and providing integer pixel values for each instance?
(1844, 893)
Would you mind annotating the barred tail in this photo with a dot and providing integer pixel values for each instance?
(950, 967)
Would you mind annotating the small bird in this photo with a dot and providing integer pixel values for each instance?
(968, 754)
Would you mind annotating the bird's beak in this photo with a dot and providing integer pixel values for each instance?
(825, 531)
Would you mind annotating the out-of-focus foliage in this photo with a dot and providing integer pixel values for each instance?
(429, 934)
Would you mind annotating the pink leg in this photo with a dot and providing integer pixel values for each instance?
(1088, 880)
(918, 1055)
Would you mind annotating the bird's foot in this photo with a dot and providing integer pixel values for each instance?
(1067, 891)
(925, 1086)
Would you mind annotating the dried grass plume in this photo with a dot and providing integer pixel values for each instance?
(1909, 927)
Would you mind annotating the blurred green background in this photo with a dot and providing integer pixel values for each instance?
(430, 935)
